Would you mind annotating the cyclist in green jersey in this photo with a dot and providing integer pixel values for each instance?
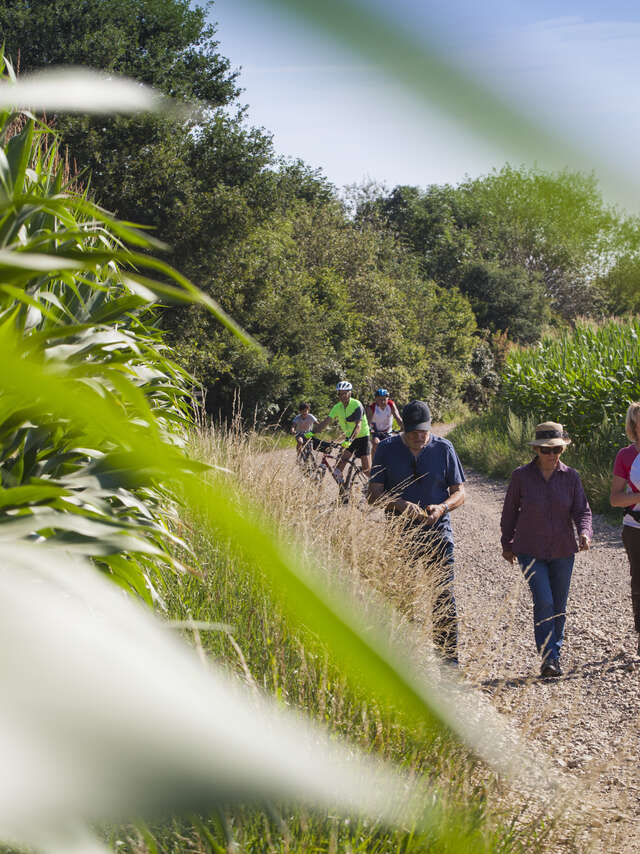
(351, 416)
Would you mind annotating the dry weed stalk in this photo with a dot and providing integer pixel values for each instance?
(386, 557)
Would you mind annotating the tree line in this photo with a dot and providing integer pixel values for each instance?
(421, 290)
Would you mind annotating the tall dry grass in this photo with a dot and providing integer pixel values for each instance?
(236, 619)
(349, 541)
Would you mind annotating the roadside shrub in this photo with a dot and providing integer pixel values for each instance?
(483, 380)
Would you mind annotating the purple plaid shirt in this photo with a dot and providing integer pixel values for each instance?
(538, 514)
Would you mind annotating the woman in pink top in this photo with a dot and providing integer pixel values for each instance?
(625, 486)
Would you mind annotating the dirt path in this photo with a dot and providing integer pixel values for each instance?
(587, 720)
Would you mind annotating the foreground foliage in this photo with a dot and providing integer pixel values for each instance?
(76, 295)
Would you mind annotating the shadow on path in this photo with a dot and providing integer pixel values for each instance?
(586, 670)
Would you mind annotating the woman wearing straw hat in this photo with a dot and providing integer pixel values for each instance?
(544, 501)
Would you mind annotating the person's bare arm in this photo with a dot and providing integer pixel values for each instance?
(619, 497)
(398, 505)
(456, 499)
(396, 415)
(322, 425)
(355, 432)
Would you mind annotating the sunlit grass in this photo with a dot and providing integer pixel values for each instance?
(374, 562)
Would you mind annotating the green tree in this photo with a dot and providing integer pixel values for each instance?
(438, 224)
(165, 43)
(194, 182)
(620, 286)
(326, 296)
(507, 300)
(553, 226)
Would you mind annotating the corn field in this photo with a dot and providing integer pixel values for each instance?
(585, 379)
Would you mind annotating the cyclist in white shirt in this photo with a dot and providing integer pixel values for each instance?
(381, 414)
(301, 424)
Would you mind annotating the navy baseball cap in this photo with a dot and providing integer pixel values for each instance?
(416, 416)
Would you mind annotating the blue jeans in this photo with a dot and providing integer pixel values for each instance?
(439, 552)
(549, 582)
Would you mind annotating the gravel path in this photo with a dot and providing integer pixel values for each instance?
(587, 720)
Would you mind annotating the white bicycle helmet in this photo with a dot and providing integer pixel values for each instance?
(344, 385)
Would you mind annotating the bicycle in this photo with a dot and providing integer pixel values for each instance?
(354, 479)
(328, 460)
(355, 482)
(305, 458)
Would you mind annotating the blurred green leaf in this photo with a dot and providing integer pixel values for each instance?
(189, 736)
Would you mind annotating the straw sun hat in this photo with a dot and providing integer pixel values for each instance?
(550, 434)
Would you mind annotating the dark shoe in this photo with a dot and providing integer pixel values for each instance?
(550, 668)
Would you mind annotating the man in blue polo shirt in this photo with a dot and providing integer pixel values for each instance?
(418, 475)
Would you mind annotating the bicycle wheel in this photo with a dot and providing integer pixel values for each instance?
(318, 473)
(354, 484)
(307, 461)
(309, 465)
(359, 485)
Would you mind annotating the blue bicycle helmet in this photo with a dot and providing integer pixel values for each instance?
(382, 392)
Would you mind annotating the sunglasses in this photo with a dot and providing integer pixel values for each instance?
(556, 449)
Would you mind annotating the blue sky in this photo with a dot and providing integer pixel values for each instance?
(571, 66)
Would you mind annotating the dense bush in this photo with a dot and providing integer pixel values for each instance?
(554, 229)
(328, 299)
(506, 300)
